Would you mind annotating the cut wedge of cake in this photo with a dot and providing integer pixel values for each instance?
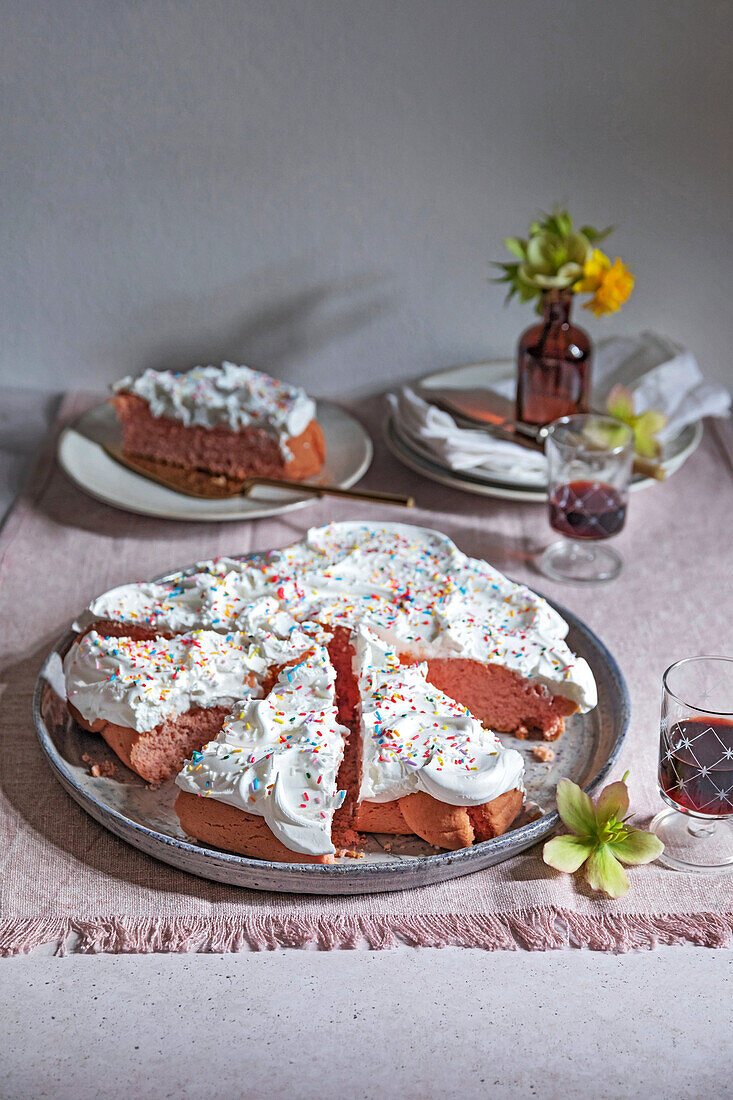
(428, 765)
(228, 421)
(266, 786)
(153, 702)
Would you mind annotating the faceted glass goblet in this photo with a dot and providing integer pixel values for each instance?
(589, 460)
(696, 765)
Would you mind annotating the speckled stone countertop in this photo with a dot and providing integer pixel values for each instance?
(409, 1023)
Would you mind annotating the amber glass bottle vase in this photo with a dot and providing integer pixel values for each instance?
(553, 364)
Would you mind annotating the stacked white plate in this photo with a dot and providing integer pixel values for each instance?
(527, 486)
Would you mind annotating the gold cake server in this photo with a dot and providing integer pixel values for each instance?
(205, 486)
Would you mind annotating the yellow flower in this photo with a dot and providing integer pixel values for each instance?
(594, 268)
(609, 283)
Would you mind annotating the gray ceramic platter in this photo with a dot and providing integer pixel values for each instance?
(125, 805)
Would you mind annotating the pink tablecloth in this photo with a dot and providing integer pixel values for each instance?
(66, 880)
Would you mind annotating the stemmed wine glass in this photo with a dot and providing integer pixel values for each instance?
(589, 459)
(696, 765)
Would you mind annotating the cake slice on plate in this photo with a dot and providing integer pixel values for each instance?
(229, 422)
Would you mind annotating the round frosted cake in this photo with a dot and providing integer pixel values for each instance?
(353, 682)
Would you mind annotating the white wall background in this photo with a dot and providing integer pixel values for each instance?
(317, 187)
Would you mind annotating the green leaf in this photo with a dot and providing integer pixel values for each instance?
(638, 847)
(613, 801)
(575, 808)
(567, 853)
(510, 273)
(526, 293)
(595, 235)
(557, 222)
(516, 246)
(525, 289)
(508, 269)
(604, 872)
(563, 223)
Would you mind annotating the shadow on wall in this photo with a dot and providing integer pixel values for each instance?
(275, 335)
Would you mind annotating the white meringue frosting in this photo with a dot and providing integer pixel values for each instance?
(411, 586)
(278, 757)
(416, 738)
(141, 684)
(228, 396)
(204, 602)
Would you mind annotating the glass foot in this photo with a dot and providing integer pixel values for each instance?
(694, 844)
(580, 563)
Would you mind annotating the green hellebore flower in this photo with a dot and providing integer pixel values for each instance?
(554, 261)
(561, 279)
(600, 837)
(620, 405)
(546, 252)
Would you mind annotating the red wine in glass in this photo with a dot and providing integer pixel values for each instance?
(696, 765)
(587, 510)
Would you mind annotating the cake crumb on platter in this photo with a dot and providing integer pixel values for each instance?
(543, 753)
(103, 769)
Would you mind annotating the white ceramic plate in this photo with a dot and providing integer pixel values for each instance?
(417, 462)
(527, 487)
(145, 818)
(80, 454)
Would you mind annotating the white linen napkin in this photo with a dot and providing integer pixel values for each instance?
(436, 431)
(661, 374)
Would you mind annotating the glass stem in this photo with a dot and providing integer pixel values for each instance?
(701, 828)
